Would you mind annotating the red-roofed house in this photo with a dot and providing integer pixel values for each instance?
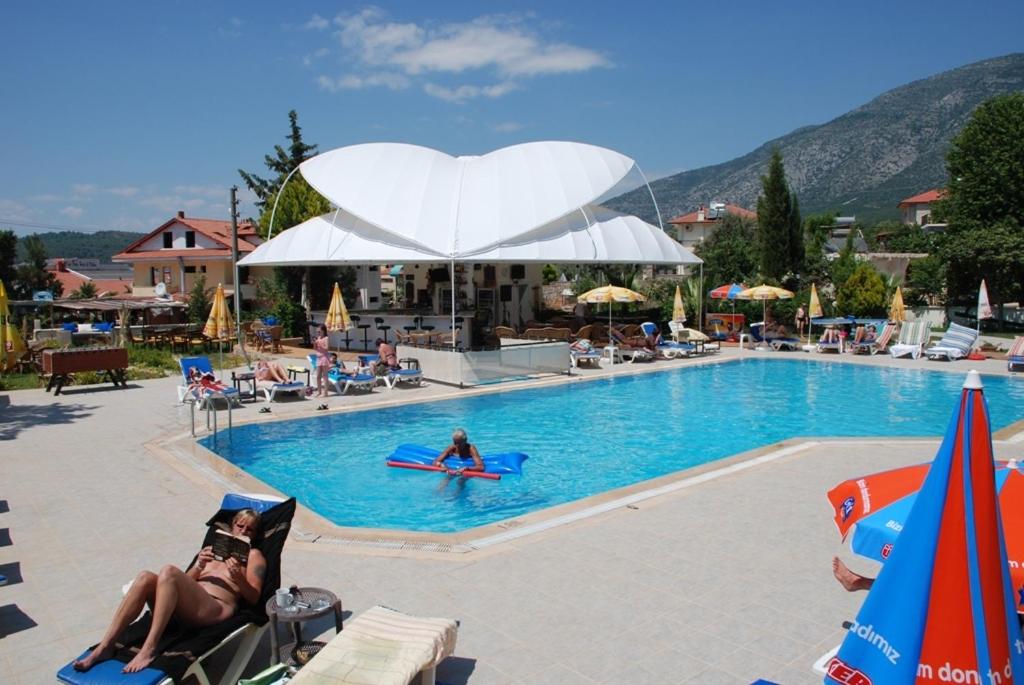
(918, 209)
(697, 226)
(184, 248)
(73, 280)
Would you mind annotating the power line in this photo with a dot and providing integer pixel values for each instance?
(58, 227)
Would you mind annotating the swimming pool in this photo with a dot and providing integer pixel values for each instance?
(589, 437)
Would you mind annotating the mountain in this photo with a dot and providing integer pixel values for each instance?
(101, 245)
(861, 163)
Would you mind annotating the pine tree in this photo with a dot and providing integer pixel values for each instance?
(774, 215)
(796, 237)
(282, 163)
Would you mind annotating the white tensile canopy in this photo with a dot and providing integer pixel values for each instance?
(530, 202)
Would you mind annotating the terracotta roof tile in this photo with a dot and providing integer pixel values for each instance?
(691, 218)
(923, 198)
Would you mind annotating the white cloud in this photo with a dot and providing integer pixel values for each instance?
(45, 197)
(123, 191)
(353, 82)
(319, 53)
(316, 23)
(462, 94)
(502, 46)
(507, 127)
(84, 188)
(73, 212)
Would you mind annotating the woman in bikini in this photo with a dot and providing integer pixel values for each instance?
(206, 594)
(270, 371)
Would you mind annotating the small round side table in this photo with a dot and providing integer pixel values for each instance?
(319, 602)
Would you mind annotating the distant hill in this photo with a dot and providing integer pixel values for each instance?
(101, 245)
(861, 163)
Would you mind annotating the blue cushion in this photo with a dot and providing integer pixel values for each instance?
(107, 673)
(234, 500)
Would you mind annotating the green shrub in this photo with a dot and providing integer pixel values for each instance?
(863, 293)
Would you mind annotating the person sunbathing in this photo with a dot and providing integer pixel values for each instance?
(206, 594)
(271, 371)
(337, 369)
(461, 448)
(204, 381)
(831, 335)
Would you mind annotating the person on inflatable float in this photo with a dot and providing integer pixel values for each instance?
(461, 448)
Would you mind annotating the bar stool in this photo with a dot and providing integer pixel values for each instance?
(382, 327)
(416, 321)
(365, 327)
(419, 322)
(458, 322)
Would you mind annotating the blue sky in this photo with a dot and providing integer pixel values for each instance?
(117, 114)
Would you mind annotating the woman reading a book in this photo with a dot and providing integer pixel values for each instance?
(206, 594)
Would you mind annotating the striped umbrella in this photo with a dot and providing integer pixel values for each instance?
(897, 312)
(218, 325)
(946, 563)
(337, 315)
(678, 311)
(727, 292)
(11, 344)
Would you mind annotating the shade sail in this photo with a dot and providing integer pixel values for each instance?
(590, 234)
(455, 205)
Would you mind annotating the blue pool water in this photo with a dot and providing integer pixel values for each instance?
(587, 438)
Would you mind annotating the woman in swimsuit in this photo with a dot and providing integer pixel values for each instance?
(206, 594)
(322, 348)
(388, 357)
(270, 371)
(461, 448)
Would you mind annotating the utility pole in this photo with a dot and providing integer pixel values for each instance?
(234, 265)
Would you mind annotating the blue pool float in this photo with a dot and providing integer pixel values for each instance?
(507, 462)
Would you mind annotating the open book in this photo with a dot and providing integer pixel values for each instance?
(227, 545)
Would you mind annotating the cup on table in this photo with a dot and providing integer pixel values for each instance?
(283, 598)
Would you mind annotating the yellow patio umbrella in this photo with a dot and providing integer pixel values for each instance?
(764, 293)
(678, 311)
(896, 310)
(11, 344)
(814, 310)
(218, 326)
(337, 315)
(609, 294)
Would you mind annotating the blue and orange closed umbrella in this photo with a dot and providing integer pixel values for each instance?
(942, 608)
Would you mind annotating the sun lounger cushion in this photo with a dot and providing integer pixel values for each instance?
(181, 645)
(1015, 355)
(381, 646)
(956, 342)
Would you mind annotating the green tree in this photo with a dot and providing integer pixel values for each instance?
(549, 273)
(32, 274)
(863, 293)
(8, 256)
(984, 202)
(796, 237)
(199, 302)
(730, 254)
(926, 281)
(281, 163)
(774, 218)
(816, 234)
(842, 268)
(85, 291)
(295, 204)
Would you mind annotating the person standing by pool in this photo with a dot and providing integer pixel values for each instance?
(800, 320)
(322, 349)
(462, 449)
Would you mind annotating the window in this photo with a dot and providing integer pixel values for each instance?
(202, 269)
(168, 240)
(190, 269)
(190, 238)
(167, 272)
(153, 275)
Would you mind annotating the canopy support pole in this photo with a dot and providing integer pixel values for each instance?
(658, 211)
(453, 306)
(700, 301)
(270, 229)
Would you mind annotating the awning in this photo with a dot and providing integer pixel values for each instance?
(396, 271)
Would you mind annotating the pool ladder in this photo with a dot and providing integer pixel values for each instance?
(211, 410)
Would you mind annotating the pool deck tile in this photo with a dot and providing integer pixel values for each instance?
(723, 582)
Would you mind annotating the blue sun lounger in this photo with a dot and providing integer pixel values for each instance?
(343, 381)
(188, 392)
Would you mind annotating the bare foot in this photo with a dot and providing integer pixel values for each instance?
(142, 659)
(847, 578)
(97, 655)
